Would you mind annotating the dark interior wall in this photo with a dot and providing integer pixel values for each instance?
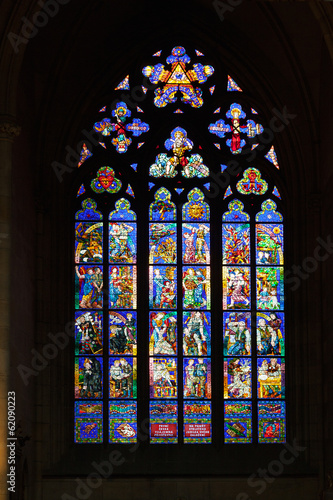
(326, 267)
(275, 52)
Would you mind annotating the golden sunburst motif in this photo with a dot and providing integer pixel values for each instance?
(276, 230)
(196, 211)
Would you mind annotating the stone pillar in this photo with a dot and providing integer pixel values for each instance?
(8, 131)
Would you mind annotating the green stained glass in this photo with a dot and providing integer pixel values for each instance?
(252, 183)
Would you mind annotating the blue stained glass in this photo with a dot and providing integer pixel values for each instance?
(196, 287)
(270, 334)
(88, 242)
(163, 209)
(197, 378)
(270, 288)
(196, 209)
(162, 243)
(197, 422)
(235, 213)
(130, 191)
(123, 378)
(88, 211)
(163, 377)
(235, 128)
(88, 332)
(88, 409)
(237, 378)
(271, 378)
(88, 422)
(85, 154)
(122, 242)
(163, 333)
(236, 288)
(88, 287)
(122, 421)
(162, 287)
(196, 243)
(272, 157)
(272, 421)
(276, 192)
(232, 85)
(179, 144)
(197, 333)
(81, 191)
(124, 84)
(236, 243)
(269, 213)
(227, 193)
(237, 422)
(122, 211)
(178, 78)
(122, 287)
(121, 112)
(237, 333)
(123, 335)
(269, 244)
(88, 377)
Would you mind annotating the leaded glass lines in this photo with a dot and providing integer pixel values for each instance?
(207, 312)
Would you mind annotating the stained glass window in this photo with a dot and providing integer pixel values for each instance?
(253, 257)
(166, 252)
(88, 324)
(197, 369)
(122, 324)
(163, 349)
